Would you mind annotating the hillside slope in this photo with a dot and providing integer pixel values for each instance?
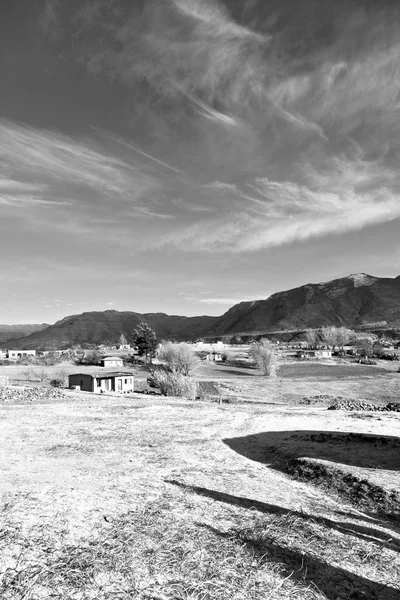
(10, 332)
(107, 326)
(353, 301)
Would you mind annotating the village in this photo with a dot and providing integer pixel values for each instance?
(122, 369)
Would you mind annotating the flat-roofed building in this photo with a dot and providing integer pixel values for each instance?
(15, 354)
(111, 361)
(103, 382)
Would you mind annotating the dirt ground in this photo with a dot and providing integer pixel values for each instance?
(207, 474)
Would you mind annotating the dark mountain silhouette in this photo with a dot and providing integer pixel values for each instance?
(107, 326)
(355, 301)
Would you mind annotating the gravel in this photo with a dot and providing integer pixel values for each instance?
(24, 394)
(351, 405)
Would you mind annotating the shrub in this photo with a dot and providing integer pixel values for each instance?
(91, 357)
(57, 383)
(42, 374)
(28, 374)
(179, 358)
(175, 384)
(263, 354)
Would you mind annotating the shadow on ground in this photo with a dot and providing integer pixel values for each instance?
(336, 583)
(319, 457)
(369, 534)
(356, 449)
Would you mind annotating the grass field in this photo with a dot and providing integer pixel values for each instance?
(152, 498)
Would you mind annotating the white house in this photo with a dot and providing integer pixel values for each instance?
(15, 354)
(111, 361)
(119, 381)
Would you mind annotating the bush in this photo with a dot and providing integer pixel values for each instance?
(57, 383)
(179, 358)
(263, 354)
(175, 384)
(91, 357)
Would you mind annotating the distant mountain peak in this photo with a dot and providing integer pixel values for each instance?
(362, 279)
(353, 301)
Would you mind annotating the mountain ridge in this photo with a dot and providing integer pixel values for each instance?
(353, 301)
(10, 332)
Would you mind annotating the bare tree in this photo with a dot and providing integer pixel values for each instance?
(312, 337)
(122, 340)
(329, 336)
(263, 354)
(365, 345)
(180, 358)
(343, 336)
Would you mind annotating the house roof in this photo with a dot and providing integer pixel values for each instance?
(111, 358)
(105, 374)
(115, 374)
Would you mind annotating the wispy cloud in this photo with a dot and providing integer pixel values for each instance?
(53, 156)
(75, 180)
(290, 127)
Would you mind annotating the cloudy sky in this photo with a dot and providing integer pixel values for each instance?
(183, 155)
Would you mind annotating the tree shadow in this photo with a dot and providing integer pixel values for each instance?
(357, 449)
(307, 569)
(368, 534)
(319, 457)
(232, 371)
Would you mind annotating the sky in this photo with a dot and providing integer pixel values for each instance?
(181, 156)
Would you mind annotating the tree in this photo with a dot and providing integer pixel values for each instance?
(329, 336)
(263, 354)
(145, 340)
(122, 340)
(312, 337)
(343, 336)
(90, 357)
(180, 358)
(365, 345)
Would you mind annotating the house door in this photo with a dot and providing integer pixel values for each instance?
(120, 385)
(107, 384)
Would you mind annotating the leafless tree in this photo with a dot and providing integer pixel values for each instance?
(343, 335)
(122, 340)
(329, 336)
(263, 354)
(312, 337)
(180, 358)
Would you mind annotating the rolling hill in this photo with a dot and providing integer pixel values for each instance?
(354, 301)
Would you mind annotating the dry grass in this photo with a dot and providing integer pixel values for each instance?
(116, 498)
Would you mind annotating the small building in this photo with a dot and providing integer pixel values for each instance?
(313, 354)
(214, 356)
(16, 354)
(116, 381)
(111, 361)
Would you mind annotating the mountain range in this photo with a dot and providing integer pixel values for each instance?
(9, 332)
(356, 301)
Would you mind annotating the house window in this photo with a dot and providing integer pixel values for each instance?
(126, 381)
